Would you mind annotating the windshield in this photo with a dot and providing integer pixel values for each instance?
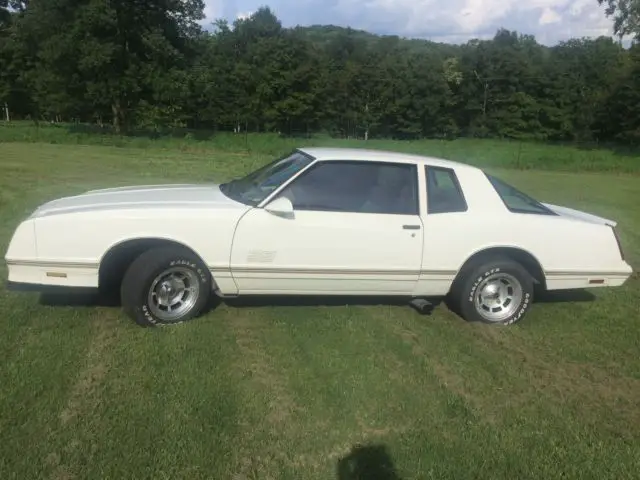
(516, 201)
(258, 185)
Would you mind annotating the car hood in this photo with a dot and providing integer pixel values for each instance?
(146, 196)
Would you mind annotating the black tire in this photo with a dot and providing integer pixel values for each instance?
(502, 269)
(139, 278)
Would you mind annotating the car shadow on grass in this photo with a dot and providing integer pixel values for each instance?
(79, 299)
(564, 296)
(422, 306)
(371, 462)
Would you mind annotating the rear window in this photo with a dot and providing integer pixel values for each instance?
(516, 201)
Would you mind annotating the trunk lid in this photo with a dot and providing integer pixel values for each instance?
(580, 215)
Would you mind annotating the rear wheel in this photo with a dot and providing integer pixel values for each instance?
(494, 290)
(165, 286)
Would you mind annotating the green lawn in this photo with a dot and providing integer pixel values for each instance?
(289, 392)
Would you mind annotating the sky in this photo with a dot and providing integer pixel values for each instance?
(450, 21)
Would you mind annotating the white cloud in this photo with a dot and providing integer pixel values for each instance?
(440, 20)
(549, 15)
(212, 10)
(478, 13)
(243, 15)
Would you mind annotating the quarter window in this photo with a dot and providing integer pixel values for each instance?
(360, 187)
(444, 194)
(517, 201)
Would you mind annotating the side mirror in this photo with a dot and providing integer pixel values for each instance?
(281, 207)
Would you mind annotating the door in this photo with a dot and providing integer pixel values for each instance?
(355, 229)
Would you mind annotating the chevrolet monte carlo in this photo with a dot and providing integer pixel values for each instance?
(319, 221)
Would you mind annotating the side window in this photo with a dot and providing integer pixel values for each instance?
(358, 187)
(444, 194)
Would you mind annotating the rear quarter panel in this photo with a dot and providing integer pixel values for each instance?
(570, 251)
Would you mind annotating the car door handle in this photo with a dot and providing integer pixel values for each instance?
(411, 227)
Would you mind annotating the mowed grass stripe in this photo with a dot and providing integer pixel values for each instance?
(40, 378)
(507, 397)
(343, 377)
(275, 418)
(85, 397)
(517, 370)
(167, 393)
(375, 360)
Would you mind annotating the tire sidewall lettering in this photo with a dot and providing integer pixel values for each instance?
(521, 311)
(148, 315)
(479, 280)
(202, 274)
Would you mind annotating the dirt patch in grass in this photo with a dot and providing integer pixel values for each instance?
(452, 381)
(410, 338)
(60, 472)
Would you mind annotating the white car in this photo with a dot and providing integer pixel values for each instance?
(320, 221)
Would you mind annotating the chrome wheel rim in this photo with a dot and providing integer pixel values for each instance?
(498, 297)
(173, 293)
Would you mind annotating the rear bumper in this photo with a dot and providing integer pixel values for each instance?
(559, 280)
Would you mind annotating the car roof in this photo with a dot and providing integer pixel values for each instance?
(339, 153)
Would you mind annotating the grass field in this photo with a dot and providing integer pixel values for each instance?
(305, 391)
(487, 153)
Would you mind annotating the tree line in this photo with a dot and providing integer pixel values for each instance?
(136, 64)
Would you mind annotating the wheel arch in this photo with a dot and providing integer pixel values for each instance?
(116, 259)
(525, 258)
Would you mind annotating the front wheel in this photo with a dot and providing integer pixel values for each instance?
(165, 286)
(498, 291)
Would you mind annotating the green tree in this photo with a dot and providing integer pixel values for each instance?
(13, 61)
(619, 116)
(118, 56)
(581, 74)
(626, 16)
(148, 64)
